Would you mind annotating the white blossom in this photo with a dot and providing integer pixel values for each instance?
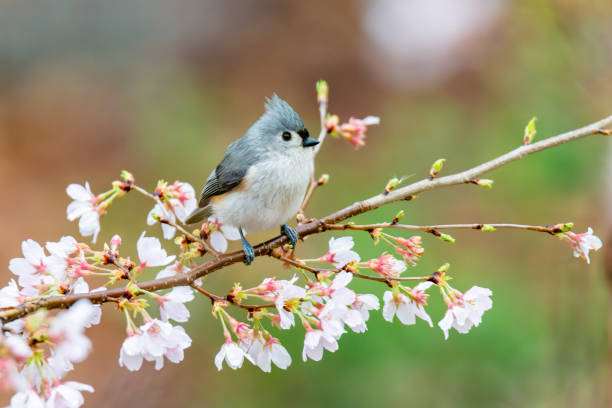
(287, 297)
(467, 311)
(154, 340)
(67, 331)
(265, 352)
(583, 243)
(27, 399)
(221, 234)
(340, 252)
(84, 207)
(151, 253)
(68, 395)
(405, 309)
(314, 343)
(10, 295)
(232, 354)
(172, 304)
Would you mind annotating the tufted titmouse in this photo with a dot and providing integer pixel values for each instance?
(263, 176)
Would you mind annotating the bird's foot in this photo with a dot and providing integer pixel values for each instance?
(290, 233)
(249, 252)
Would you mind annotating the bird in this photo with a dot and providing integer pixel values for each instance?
(262, 179)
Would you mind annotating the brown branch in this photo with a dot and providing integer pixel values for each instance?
(265, 248)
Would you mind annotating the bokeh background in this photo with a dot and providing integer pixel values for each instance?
(89, 87)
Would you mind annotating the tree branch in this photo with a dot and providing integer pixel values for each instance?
(265, 248)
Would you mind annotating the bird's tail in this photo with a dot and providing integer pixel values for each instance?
(198, 215)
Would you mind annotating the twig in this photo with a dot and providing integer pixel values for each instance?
(316, 271)
(318, 226)
(168, 221)
(214, 297)
(552, 229)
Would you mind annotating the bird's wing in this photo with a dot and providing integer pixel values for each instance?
(226, 176)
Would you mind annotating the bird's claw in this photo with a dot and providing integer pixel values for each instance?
(290, 233)
(249, 252)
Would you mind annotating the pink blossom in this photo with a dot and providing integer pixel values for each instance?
(387, 266)
(410, 249)
(355, 129)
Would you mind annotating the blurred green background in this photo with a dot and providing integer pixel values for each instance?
(89, 87)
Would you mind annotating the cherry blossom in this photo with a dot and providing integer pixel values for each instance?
(84, 207)
(151, 253)
(466, 310)
(387, 266)
(363, 304)
(27, 399)
(154, 340)
(314, 343)
(288, 298)
(221, 234)
(583, 243)
(266, 351)
(407, 308)
(10, 295)
(409, 248)
(68, 395)
(178, 202)
(172, 304)
(232, 354)
(67, 331)
(36, 270)
(340, 252)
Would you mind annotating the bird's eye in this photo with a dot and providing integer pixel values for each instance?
(286, 136)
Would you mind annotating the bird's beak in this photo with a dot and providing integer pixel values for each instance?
(309, 141)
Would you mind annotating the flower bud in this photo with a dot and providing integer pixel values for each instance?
(530, 131)
(331, 124)
(127, 177)
(398, 217)
(447, 238)
(487, 228)
(436, 167)
(565, 227)
(391, 185)
(322, 91)
(323, 179)
(482, 182)
(115, 242)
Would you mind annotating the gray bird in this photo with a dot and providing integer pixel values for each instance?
(262, 179)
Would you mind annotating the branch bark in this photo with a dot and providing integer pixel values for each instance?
(360, 207)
